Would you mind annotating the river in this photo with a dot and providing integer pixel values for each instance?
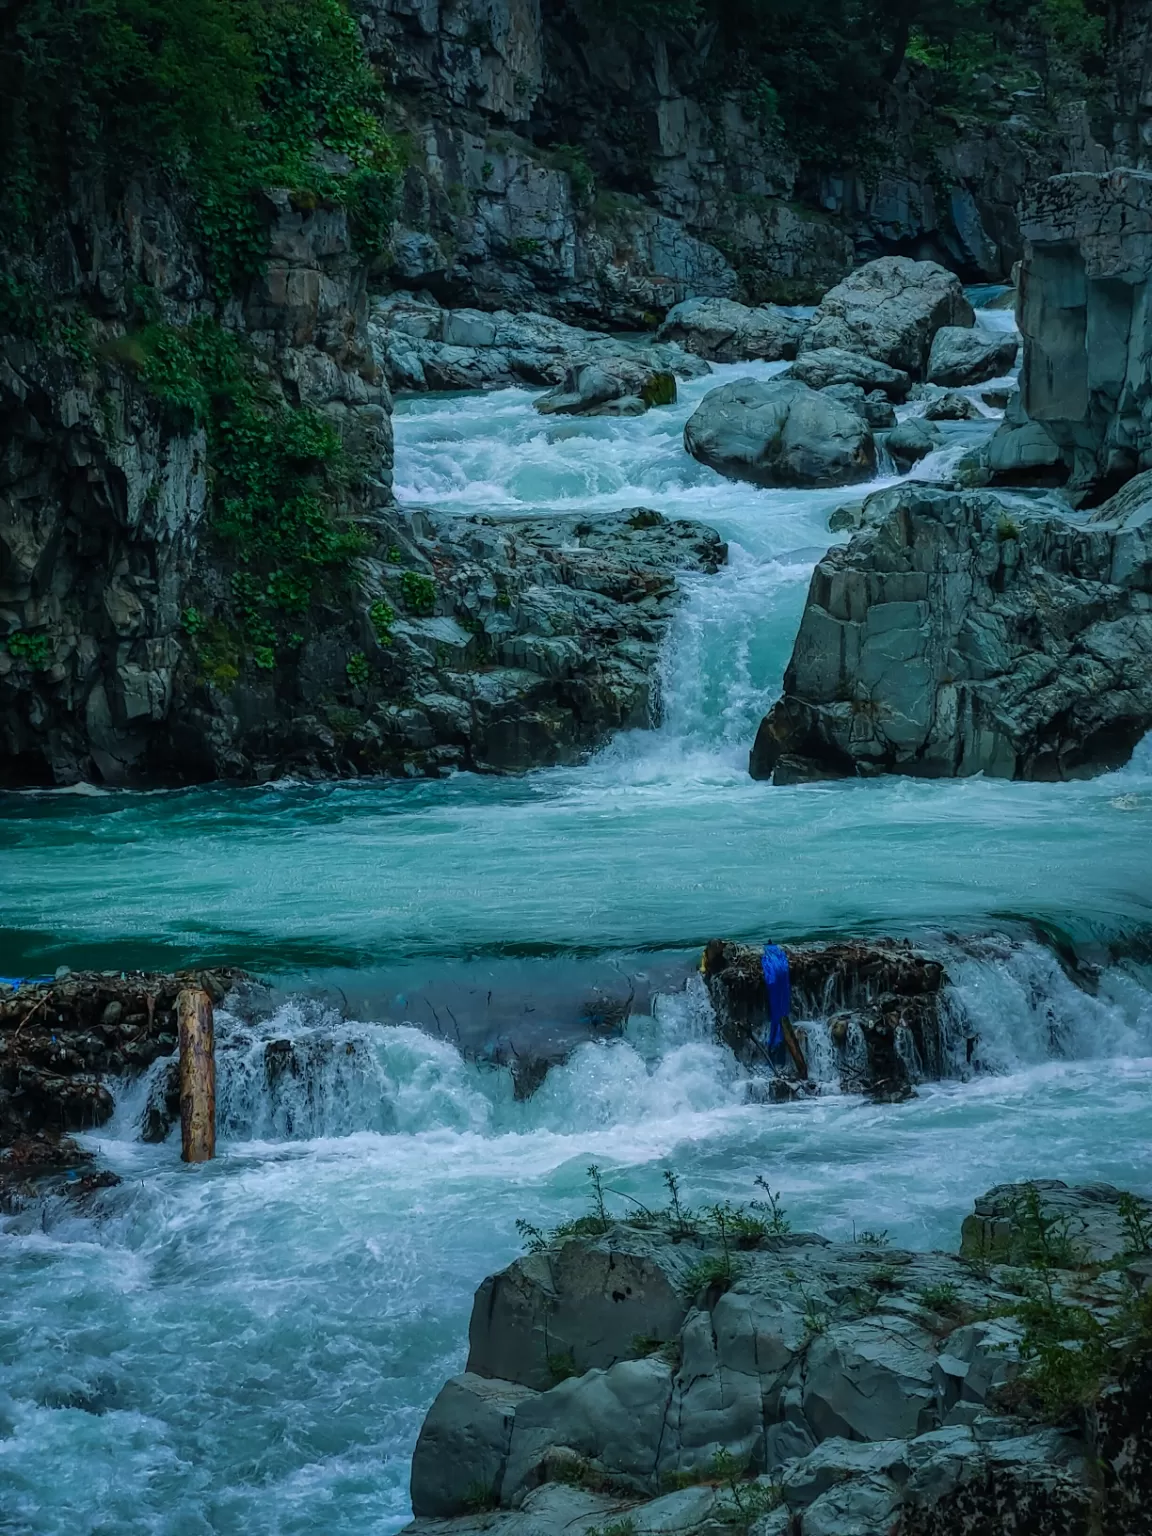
(249, 1347)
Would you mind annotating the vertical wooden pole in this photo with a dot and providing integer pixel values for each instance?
(197, 1076)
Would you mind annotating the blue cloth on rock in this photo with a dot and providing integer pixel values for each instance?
(774, 963)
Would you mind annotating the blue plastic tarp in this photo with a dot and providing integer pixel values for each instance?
(779, 983)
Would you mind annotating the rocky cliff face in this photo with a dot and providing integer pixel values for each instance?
(105, 543)
(562, 164)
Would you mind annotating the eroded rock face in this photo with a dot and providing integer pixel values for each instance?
(726, 332)
(890, 310)
(780, 433)
(856, 1392)
(1084, 295)
(969, 633)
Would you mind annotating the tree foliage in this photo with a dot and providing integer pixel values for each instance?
(227, 95)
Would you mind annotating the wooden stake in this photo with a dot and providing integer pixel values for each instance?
(197, 1076)
(794, 1049)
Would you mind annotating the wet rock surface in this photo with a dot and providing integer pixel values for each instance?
(60, 1039)
(882, 1001)
(963, 355)
(970, 633)
(661, 1374)
(726, 332)
(890, 310)
(780, 433)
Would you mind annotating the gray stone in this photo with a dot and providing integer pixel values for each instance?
(463, 1445)
(863, 1507)
(1088, 1221)
(727, 332)
(779, 433)
(870, 1381)
(912, 441)
(576, 1307)
(831, 366)
(952, 407)
(875, 408)
(964, 355)
(890, 309)
(970, 634)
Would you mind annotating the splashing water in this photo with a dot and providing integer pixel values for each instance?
(249, 1346)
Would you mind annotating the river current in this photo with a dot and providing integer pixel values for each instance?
(249, 1347)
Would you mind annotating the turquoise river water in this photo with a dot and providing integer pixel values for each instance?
(249, 1347)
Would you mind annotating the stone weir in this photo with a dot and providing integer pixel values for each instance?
(717, 1374)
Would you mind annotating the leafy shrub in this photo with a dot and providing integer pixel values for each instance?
(382, 616)
(419, 593)
(358, 670)
(35, 650)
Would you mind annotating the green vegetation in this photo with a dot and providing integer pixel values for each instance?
(225, 97)
(1070, 1350)
(382, 616)
(34, 650)
(941, 1298)
(278, 475)
(813, 72)
(358, 669)
(419, 593)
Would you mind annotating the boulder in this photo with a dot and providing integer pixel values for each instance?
(952, 407)
(618, 386)
(912, 441)
(890, 309)
(871, 1381)
(875, 408)
(726, 332)
(970, 633)
(1021, 452)
(780, 433)
(463, 1445)
(833, 365)
(963, 355)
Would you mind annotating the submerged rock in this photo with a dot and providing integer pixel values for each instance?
(891, 310)
(609, 387)
(970, 634)
(780, 433)
(779, 1382)
(912, 441)
(726, 332)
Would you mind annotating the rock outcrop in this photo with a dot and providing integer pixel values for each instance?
(890, 310)
(827, 367)
(970, 633)
(726, 332)
(422, 346)
(780, 433)
(1084, 296)
(882, 1002)
(695, 1373)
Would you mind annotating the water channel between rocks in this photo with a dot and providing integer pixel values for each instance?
(250, 1347)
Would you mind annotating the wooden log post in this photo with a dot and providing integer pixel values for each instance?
(197, 1076)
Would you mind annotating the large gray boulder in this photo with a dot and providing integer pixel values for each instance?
(780, 433)
(463, 1445)
(616, 386)
(963, 355)
(970, 633)
(1020, 452)
(831, 366)
(890, 309)
(726, 332)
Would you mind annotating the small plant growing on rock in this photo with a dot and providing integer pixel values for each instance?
(870, 1239)
(744, 1501)
(358, 670)
(34, 650)
(192, 620)
(940, 1298)
(419, 593)
(1007, 529)
(561, 1366)
(480, 1499)
(381, 615)
(1136, 1216)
